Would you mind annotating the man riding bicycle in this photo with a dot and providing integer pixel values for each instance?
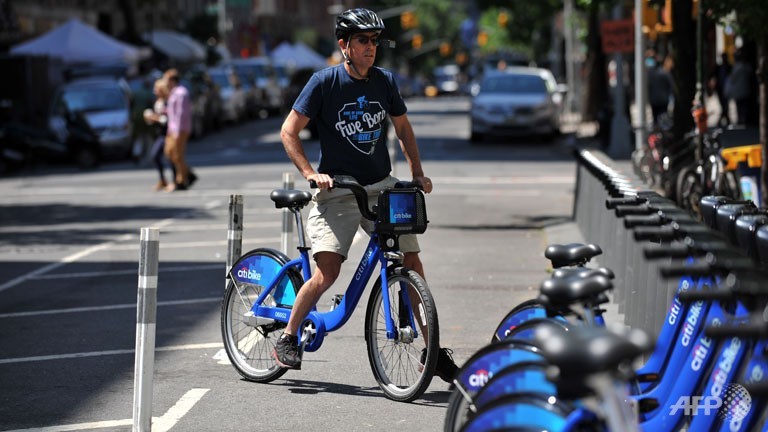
(349, 104)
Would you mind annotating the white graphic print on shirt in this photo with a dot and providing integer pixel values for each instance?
(360, 123)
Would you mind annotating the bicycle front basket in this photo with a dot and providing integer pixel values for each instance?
(401, 211)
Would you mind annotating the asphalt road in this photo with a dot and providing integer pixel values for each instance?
(69, 249)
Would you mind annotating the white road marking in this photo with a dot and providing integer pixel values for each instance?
(210, 345)
(173, 228)
(106, 307)
(80, 426)
(159, 424)
(494, 180)
(66, 260)
(198, 244)
(222, 357)
(176, 412)
(124, 272)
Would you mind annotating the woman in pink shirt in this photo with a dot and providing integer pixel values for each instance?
(179, 112)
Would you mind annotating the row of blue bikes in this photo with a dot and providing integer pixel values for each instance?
(555, 364)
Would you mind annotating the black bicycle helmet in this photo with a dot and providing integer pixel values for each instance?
(357, 20)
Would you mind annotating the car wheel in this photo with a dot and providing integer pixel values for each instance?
(86, 157)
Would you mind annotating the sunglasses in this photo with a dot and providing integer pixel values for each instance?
(363, 40)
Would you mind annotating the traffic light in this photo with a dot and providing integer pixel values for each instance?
(503, 19)
(416, 42)
(408, 20)
(445, 49)
(482, 38)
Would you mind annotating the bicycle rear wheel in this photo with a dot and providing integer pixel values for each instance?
(689, 190)
(403, 367)
(249, 344)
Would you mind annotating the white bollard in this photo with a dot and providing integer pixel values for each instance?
(234, 233)
(146, 318)
(286, 236)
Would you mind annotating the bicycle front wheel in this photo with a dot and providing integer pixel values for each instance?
(404, 365)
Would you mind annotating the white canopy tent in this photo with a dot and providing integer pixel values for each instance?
(177, 46)
(76, 42)
(298, 56)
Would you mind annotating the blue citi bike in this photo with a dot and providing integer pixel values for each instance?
(401, 324)
(653, 394)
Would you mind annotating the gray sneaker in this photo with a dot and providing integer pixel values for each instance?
(286, 352)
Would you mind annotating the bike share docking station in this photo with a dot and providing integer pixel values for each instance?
(647, 235)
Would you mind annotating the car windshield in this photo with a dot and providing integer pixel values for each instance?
(98, 99)
(221, 80)
(513, 84)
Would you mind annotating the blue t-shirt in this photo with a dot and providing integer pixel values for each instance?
(351, 120)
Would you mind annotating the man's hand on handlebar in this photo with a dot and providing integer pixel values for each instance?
(323, 181)
(425, 182)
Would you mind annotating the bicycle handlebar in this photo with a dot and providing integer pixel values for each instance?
(709, 294)
(361, 195)
(748, 330)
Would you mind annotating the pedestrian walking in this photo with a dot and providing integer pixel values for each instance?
(179, 112)
(349, 104)
(718, 78)
(660, 88)
(739, 87)
(157, 118)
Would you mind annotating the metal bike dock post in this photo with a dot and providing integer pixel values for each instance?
(146, 319)
(234, 233)
(286, 235)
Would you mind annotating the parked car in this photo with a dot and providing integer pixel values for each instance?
(517, 101)
(231, 93)
(105, 105)
(258, 75)
(206, 101)
(447, 79)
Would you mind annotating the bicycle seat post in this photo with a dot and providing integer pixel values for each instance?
(299, 227)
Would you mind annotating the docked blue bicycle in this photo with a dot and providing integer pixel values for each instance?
(401, 325)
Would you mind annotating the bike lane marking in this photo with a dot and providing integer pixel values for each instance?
(113, 244)
(106, 307)
(210, 345)
(159, 424)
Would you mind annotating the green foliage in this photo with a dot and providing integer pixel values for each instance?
(750, 18)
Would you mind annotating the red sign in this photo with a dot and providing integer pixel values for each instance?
(618, 36)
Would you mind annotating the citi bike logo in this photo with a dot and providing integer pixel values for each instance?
(690, 322)
(246, 273)
(403, 216)
(701, 349)
(674, 312)
(732, 407)
(480, 378)
(363, 265)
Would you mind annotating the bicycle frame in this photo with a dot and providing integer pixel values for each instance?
(317, 324)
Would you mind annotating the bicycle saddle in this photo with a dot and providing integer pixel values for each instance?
(571, 254)
(290, 198)
(583, 272)
(581, 352)
(565, 291)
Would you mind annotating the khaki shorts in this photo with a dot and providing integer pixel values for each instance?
(335, 217)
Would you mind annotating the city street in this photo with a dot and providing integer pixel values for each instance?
(69, 250)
